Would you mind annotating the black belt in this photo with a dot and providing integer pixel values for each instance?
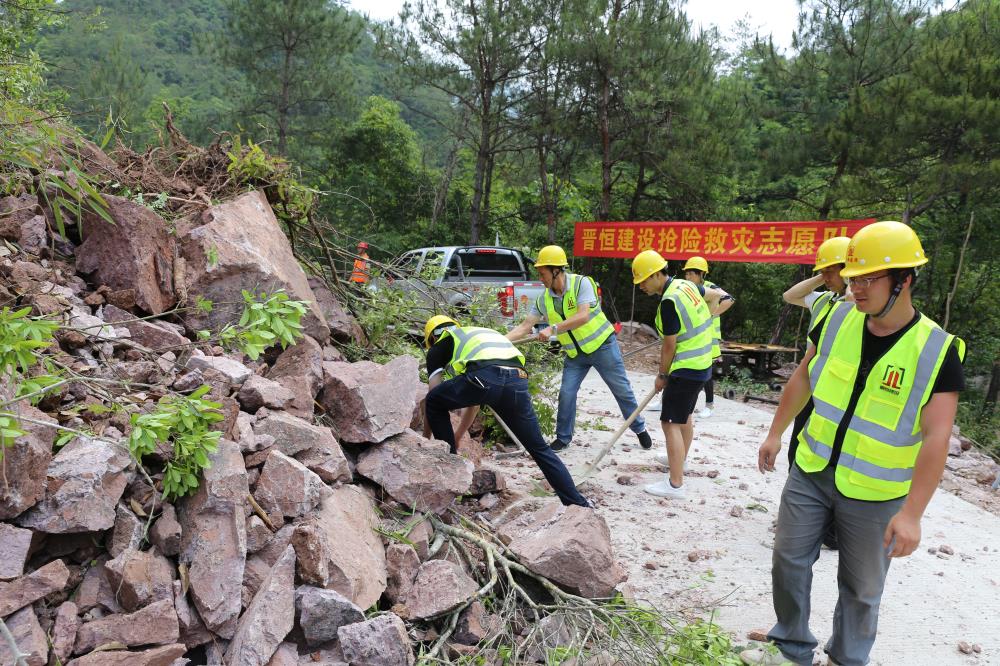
(512, 363)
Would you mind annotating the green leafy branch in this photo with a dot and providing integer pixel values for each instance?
(185, 423)
(21, 338)
(267, 320)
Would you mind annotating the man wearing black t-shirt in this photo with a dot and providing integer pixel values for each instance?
(884, 380)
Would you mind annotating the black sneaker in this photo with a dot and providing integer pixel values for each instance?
(645, 441)
(558, 445)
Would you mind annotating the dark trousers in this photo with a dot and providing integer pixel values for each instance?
(710, 391)
(507, 393)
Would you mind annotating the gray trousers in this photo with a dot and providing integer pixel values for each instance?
(810, 503)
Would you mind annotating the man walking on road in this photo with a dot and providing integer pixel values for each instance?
(684, 321)
(695, 271)
(573, 312)
(468, 367)
(885, 380)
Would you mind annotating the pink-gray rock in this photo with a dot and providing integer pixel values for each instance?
(322, 612)
(337, 547)
(381, 641)
(235, 372)
(415, 473)
(288, 486)
(192, 630)
(85, 480)
(15, 544)
(144, 332)
(343, 326)
(94, 590)
(313, 446)
(31, 587)
(127, 533)
(14, 212)
(25, 463)
(258, 534)
(136, 252)
(300, 370)
(287, 654)
(439, 587)
(471, 627)
(140, 578)
(29, 638)
(269, 618)
(369, 402)
(64, 630)
(156, 624)
(34, 235)
(402, 563)
(570, 546)
(166, 532)
(240, 245)
(486, 480)
(258, 392)
(214, 539)
(164, 655)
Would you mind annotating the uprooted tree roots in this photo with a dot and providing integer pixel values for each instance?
(533, 620)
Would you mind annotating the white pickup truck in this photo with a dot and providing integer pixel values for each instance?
(454, 274)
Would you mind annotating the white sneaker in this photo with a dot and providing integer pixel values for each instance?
(764, 657)
(662, 459)
(664, 489)
(704, 413)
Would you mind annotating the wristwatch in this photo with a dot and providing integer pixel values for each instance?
(663, 375)
(555, 328)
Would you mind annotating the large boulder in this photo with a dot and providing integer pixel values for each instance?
(381, 641)
(29, 588)
(269, 617)
(29, 637)
(25, 462)
(140, 578)
(286, 486)
(214, 540)
(240, 245)
(313, 446)
(440, 586)
(322, 612)
(84, 482)
(135, 252)
(146, 333)
(369, 402)
(570, 546)
(156, 624)
(337, 547)
(299, 369)
(417, 472)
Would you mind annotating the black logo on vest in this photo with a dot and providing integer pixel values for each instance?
(892, 380)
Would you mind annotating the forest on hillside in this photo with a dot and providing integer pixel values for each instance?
(469, 121)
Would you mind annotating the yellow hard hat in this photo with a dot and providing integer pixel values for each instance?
(645, 264)
(551, 255)
(831, 251)
(433, 323)
(883, 245)
(696, 264)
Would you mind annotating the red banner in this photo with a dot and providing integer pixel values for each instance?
(752, 242)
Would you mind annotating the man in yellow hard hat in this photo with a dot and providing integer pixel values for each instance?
(885, 382)
(684, 321)
(469, 366)
(572, 309)
(695, 271)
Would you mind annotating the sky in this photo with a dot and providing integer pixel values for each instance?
(775, 17)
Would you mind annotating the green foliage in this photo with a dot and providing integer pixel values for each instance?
(21, 339)
(185, 424)
(21, 68)
(291, 199)
(267, 320)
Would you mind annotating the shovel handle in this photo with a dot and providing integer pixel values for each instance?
(591, 466)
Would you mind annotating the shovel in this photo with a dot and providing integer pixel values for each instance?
(591, 466)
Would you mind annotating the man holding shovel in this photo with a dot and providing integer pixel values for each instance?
(684, 321)
(573, 311)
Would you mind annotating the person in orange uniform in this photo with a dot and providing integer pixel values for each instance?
(360, 274)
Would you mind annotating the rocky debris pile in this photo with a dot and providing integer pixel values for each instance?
(310, 537)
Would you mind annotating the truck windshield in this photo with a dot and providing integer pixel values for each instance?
(477, 264)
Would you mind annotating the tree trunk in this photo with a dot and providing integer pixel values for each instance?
(640, 189)
(548, 202)
(283, 107)
(482, 164)
(604, 129)
(994, 388)
(786, 309)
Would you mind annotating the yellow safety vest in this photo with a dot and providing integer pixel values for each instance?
(826, 300)
(478, 344)
(694, 340)
(716, 328)
(594, 331)
(883, 436)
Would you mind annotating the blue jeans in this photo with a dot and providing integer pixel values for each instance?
(607, 360)
(810, 503)
(507, 393)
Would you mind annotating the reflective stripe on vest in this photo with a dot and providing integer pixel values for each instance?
(716, 327)
(359, 274)
(592, 334)
(883, 436)
(819, 306)
(478, 344)
(694, 340)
